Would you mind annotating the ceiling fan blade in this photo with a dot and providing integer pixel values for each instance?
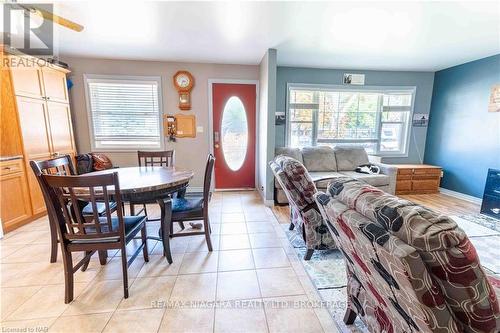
(54, 18)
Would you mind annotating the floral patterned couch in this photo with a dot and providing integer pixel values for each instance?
(409, 269)
(305, 216)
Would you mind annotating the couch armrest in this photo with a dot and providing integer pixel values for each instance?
(392, 172)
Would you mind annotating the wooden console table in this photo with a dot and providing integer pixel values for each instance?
(418, 178)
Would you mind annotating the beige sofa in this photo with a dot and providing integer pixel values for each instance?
(324, 163)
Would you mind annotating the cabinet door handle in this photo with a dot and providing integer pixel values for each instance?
(47, 98)
(6, 168)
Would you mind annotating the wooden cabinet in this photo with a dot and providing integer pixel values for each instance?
(418, 179)
(15, 201)
(54, 83)
(33, 122)
(27, 80)
(37, 114)
(61, 128)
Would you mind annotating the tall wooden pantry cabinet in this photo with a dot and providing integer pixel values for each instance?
(35, 125)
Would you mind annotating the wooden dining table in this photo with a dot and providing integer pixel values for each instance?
(148, 184)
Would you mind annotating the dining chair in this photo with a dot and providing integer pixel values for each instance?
(63, 166)
(189, 208)
(101, 233)
(164, 158)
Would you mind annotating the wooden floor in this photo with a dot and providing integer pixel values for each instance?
(439, 202)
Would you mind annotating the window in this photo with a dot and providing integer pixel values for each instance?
(377, 119)
(124, 112)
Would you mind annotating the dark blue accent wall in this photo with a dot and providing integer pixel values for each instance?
(463, 137)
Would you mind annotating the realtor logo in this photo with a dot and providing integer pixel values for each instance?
(26, 30)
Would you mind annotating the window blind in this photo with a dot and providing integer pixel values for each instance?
(125, 113)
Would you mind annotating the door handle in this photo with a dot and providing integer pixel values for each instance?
(216, 146)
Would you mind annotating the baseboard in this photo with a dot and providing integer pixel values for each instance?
(462, 196)
(269, 203)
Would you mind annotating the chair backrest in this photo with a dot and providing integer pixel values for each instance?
(62, 166)
(156, 158)
(209, 168)
(295, 181)
(65, 192)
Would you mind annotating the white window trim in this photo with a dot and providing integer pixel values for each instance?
(365, 89)
(110, 149)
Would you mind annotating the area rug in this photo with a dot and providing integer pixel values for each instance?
(484, 234)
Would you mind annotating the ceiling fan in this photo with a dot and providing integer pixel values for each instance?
(31, 8)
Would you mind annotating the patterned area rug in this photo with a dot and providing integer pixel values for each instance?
(484, 233)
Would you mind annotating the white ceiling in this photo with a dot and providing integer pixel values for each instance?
(357, 35)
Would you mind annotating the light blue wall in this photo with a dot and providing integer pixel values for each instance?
(463, 137)
(422, 80)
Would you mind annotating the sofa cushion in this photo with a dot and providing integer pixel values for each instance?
(349, 158)
(376, 180)
(319, 159)
(323, 178)
(290, 152)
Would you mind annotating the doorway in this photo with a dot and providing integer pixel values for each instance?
(233, 134)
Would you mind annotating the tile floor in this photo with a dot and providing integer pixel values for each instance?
(254, 275)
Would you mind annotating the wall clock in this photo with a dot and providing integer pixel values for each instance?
(184, 82)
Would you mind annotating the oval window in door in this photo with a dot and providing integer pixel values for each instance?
(234, 133)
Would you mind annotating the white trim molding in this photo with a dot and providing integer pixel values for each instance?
(462, 196)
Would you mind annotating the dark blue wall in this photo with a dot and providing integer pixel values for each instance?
(463, 137)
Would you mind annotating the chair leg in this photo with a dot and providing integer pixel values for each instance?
(166, 226)
(68, 276)
(349, 316)
(145, 242)
(291, 226)
(309, 254)
(103, 256)
(125, 273)
(86, 265)
(53, 243)
(206, 222)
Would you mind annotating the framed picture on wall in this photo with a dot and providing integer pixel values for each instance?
(494, 105)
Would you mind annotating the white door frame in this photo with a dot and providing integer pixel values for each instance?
(211, 115)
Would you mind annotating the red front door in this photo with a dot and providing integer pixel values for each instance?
(234, 135)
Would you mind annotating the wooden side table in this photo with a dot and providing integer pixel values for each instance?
(418, 178)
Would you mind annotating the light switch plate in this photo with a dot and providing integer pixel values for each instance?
(199, 129)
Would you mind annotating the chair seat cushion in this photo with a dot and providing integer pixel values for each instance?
(101, 208)
(131, 228)
(187, 204)
(131, 222)
(373, 180)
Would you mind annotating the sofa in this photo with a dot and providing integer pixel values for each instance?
(409, 269)
(305, 217)
(325, 163)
